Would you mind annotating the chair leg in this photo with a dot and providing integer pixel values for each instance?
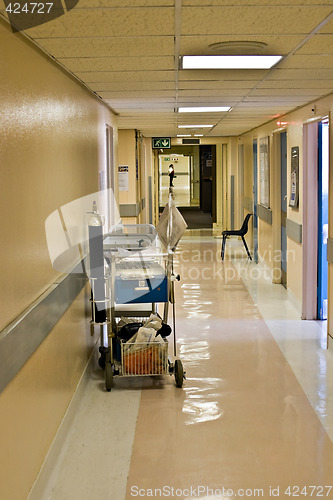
(247, 250)
(223, 247)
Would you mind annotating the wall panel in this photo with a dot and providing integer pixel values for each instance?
(52, 151)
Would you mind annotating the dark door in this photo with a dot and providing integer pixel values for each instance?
(207, 172)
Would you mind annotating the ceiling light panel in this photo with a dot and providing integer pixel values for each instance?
(203, 109)
(195, 126)
(229, 62)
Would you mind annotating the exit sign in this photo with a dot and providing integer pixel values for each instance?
(161, 142)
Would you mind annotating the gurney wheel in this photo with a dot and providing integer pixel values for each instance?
(102, 359)
(108, 376)
(179, 373)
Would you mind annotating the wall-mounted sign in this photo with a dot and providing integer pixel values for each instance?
(294, 189)
(161, 142)
(123, 177)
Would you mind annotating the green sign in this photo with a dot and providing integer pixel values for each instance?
(161, 142)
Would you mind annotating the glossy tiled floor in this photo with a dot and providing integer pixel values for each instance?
(254, 415)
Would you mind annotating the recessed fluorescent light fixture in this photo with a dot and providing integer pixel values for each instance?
(198, 135)
(195, 126)
(183, 135)
(203, 109)
(229, 62)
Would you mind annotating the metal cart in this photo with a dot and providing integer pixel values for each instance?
(130, 279)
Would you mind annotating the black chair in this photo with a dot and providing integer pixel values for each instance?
(239, 232)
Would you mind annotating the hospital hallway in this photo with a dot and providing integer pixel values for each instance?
(254, 416)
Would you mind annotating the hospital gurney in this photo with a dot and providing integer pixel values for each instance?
(135, 276)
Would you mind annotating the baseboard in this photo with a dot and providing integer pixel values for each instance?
(295, 302)
(291, 297)
(41, 484)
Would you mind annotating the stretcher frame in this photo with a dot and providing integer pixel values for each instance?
(153, 359)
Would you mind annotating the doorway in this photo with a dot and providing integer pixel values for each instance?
(323, 168)
(255, 200)
(182, 183)
(194, 183)
(206, 174)
(283, 156)
(112, 214)
(315, 219)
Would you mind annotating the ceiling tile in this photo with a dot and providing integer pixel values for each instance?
(317, 61)
(124, 51)
(299, 74)
(208, 94)
(132, 86)
(318, 44)
(283, 92)
(137, 95)
(261, 3)
(216, 84)
(275, 100)
(275, 45)
(126, 76)
(88, 4)
(328, 28)
(243, 20)
(116, 64)
(145, 106)
(264, 107)
(108, 46)
(109, 22)
(298, 84)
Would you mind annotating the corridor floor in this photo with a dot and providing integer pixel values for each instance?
(254, 417)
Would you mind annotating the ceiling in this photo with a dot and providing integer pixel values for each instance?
(127, 51)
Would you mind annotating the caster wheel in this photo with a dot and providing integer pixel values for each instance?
(101, 362)
(179, 373)
(108, 376)
(102, 359)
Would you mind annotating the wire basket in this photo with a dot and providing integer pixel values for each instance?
(144, 359)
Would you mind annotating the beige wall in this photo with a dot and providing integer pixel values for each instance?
(49, 156)
(148, 171)
(33, 405)
(52, 150)
(269, 235)
(138, 189)
(126, 156)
